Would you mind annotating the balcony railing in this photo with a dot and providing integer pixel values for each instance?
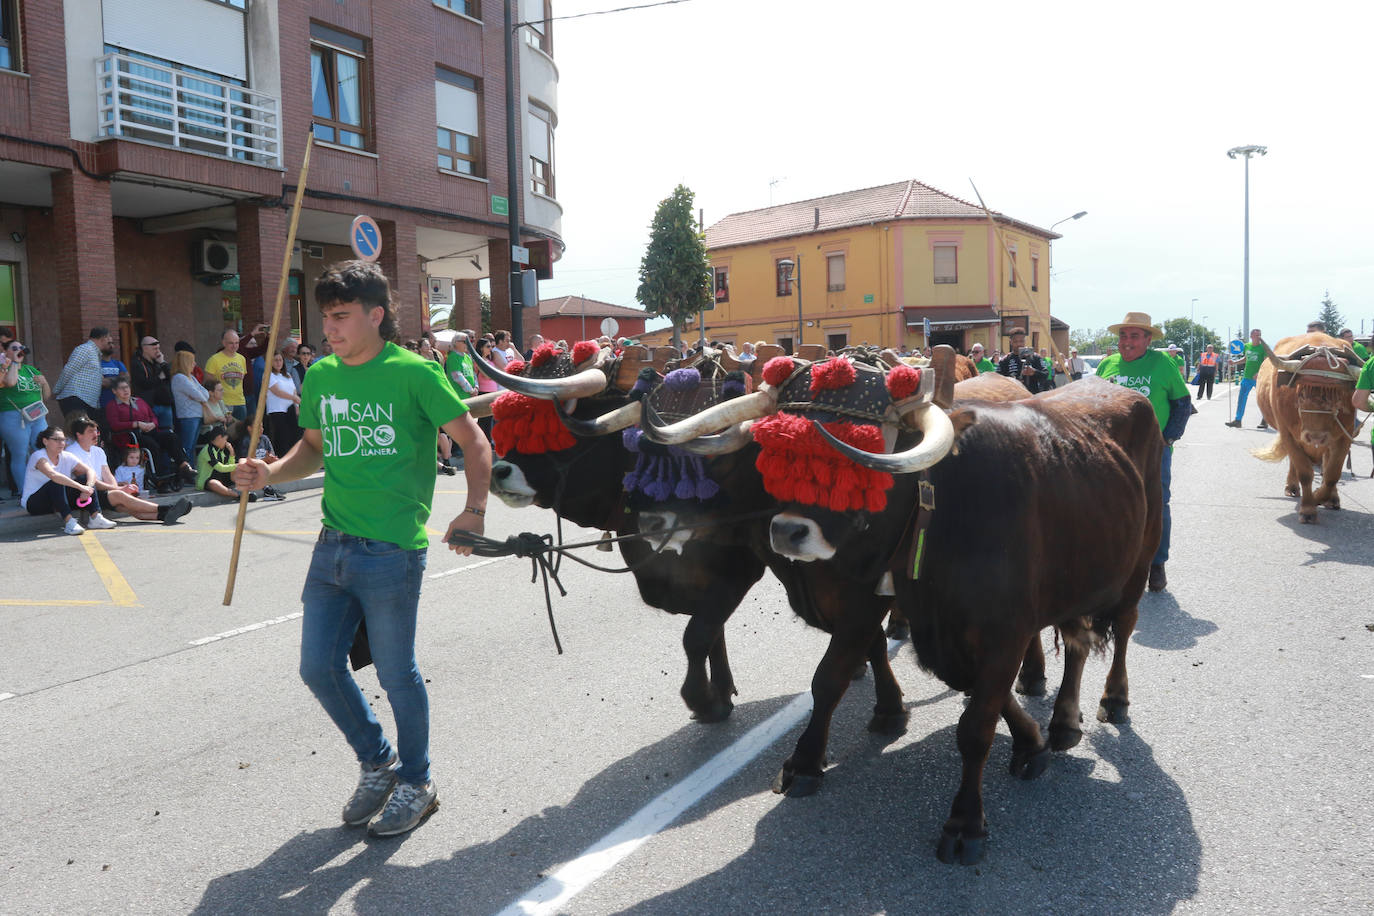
(142, 100)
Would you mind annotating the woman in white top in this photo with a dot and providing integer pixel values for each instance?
(282, 395)
(48, 475)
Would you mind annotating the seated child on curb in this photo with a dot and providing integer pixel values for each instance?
(215, 462)
(132, 469)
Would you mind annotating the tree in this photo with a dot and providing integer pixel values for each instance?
(440, 316)
(674, 275)
(1091, 342)
(1331, 316)
(1190, 337)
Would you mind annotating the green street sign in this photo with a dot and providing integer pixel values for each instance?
(500, 205)
(868, 298)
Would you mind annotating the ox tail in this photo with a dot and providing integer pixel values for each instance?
(1274, 451)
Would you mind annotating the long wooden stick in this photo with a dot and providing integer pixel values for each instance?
(267, 368)
(1015, 274)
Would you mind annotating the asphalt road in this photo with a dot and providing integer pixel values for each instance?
(164, 757)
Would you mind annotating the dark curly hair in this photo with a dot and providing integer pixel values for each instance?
(357, 281)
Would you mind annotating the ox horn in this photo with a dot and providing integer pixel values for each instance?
(1280, 363)
(480, 406)
(604, 425)
(936, 441)
(579, 385)
(731, 440)
(726, 413)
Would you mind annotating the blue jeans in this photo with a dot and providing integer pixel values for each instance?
(188, 428)
(21, 438)
(166, 417)
(239, 411)
(354, 580)
(1166, 474)
(1246, 384)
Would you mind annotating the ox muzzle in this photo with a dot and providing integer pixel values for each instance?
(509, 485)
(653, 524)
(799, 538)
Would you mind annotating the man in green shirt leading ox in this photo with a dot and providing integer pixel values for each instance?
(1361, 396)
(1360, 349)
(1138, 367)
(1253, 358)
(370, 413)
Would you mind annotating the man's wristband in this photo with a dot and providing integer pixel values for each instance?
(475, 511)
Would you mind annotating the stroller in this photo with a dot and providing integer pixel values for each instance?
(160, 480)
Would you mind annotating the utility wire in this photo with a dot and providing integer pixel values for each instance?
(622, 9)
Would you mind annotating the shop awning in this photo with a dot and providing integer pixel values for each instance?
(950, 317)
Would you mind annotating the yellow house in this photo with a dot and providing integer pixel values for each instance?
(870, 266)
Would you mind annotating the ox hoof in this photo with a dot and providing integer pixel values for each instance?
(1291, 491)
(796, 785)
(1113, 711)
(889, 723)
(1332, 504)
(1030, 763)
(718, 711)
(956, 850)
(1031, 686)
(1063, 737)
(1308, 518)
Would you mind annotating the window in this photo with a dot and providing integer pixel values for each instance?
(539, 141)
(786, 344)
(836, 342)
(784, 277)
(466, 7)
(722, 284)
(457, 111)
(537, 29)
(339, 87)
(9, 35)
(834, 272)
(1011, 266)
(1035, 273)
(946, 263)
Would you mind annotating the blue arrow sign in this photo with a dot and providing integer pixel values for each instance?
(366, 238)
(1237, 348)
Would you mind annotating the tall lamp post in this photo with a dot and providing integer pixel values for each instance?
(1079, 215)
(1247, 152)
(792, 272)
(1192, 330)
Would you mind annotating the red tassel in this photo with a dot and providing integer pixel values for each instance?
(527, 425)
(902, 381)
(797, 465)
(584, 350)
(833, 373)
(515, 367)
(543, 354)
(778, 370)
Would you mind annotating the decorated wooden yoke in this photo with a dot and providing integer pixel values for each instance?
(1316, 366)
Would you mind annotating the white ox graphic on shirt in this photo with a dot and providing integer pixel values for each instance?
(332, 409)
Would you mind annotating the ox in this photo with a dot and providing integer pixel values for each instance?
(1305, 396)
(1091, 452)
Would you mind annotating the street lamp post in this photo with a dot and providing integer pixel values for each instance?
(792, 271)
(1079, 215)
(1247, 152)
(1192, 330)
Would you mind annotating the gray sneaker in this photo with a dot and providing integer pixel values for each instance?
(374, 788)
(409, 805)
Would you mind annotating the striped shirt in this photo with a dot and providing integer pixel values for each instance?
(82, 375)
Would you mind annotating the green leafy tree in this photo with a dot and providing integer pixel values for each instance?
(674, 275)
(1091, 342)
(1331, 316)
(1191, 337)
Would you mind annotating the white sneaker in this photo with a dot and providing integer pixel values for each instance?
(100, 522)
(72, 527)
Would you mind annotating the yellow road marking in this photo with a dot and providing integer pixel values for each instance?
(115, 583)
(181, 529)
(56, 602)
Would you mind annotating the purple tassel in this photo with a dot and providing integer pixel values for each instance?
(683, 379)
(686, 488)
(731, 388)
(659, 489)
(635, 478)
(706, 488)
(630, 438)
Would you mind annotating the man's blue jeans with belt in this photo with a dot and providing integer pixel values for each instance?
(1246, 385)
(352, 580)
(1166, 474)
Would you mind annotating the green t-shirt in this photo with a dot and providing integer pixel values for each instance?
(1178, 362)
(985, 365)
(1153, 375)
(1366, 376)
(1360, 350)
(25, 392)
(379, 422)
(1254, 358)
(462, 364)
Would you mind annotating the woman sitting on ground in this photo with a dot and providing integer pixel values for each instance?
(215, 463)
(49, 474)
(109, 492)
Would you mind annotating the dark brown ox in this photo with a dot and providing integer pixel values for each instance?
(1304, 390)
(1053, 506)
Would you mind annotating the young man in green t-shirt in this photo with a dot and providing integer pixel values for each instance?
(370, 414)
(1362, 389)
(1135, 365)
(1253, 358)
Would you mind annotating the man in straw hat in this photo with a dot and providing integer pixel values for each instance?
(1137, 366)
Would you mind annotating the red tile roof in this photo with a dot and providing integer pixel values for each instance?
(574, 305)
(900, 200)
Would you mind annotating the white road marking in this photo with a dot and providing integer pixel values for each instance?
(478, 565)
(248, 629)
(5, 696)
(606, 853)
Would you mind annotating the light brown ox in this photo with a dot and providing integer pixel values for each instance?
(1312, 413)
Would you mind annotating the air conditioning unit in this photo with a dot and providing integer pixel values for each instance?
(216, 257)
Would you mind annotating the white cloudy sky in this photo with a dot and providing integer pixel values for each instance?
(1123, 110)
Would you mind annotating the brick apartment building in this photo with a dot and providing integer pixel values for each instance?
(150, 149)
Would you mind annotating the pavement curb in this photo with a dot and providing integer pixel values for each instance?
(16, 521)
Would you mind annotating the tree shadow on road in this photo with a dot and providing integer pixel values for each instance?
(301, 877)
(1164, 624)
(1075, 840)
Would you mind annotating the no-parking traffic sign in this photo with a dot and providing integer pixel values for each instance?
(366, 238)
